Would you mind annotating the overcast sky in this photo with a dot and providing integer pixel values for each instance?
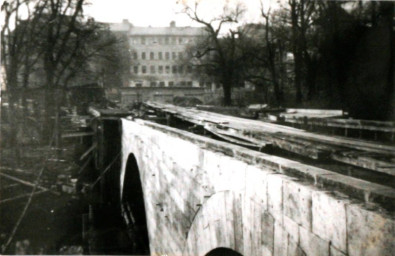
(161, 12)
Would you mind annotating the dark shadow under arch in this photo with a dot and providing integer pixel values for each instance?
(133, 208)
(222, 251)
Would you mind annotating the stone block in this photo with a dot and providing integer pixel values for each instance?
(211, 161)
(275, 195)
(292, 228)
(252, 226)
(280, 240)
(297, 203)
(256, 184)
(238, 222)
(329, 218)
(185, 153)
(234, 173)
(336, 252)
(311, 244)
(266, 251)
(247, 225)
(294, 249)
(268, 231)
(369, 232)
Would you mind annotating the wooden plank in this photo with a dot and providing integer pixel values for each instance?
(7, 200)
(227, 137)
(364, 161)
(323, 112)
(27, 183)
(287, 138)
(343, 123)
(94, 145)
(200, 117)
(77, 134)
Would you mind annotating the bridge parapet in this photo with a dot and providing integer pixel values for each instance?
(201, 194)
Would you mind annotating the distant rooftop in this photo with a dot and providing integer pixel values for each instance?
(126, 26)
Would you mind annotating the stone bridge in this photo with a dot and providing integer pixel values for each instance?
(207, 197)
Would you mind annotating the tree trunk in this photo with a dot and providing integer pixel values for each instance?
(14, 127)
(227, 87)
(227, 94)
(12, 83)
(387, 10)
(296, 52)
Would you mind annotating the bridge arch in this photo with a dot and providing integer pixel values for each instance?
(133, 206)
(222, 251)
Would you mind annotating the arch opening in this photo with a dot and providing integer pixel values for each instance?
(222, 251)
(133, 208)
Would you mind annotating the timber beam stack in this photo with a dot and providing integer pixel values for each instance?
(373, 156)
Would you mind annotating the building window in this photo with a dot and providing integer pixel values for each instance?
(160, 55)
(139, 84)
(174, 40)
(135, 69)
(135, 55)
(171, 84)
(143, 55)
(189, 69)
(152, 69)
(153, 84)
(180, 40)
(174, 69)
(143, 40)
(182, 83)
(180, 55)
(166, 40)
(181, 69)
(173, 55)
(151, 55)
(189, 83)
(201, 84)
(167, 55)
(160, 69)
(144, 69)
(162, 84)
(167, 69)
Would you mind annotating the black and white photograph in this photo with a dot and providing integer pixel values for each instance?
(197, 127)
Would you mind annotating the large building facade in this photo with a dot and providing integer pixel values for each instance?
(157, 55)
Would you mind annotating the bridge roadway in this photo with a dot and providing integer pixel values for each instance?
(203, 196)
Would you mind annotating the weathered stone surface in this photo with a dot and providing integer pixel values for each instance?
(294, 249)
(297, 203)
(292, 228)
(329, 219)
(280, 240)
(275, 195)
(268, 231)
(311, 244)
(232, 172)
(256, 184)
(369, 232)
(336, 252)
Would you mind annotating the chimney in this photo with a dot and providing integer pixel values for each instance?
(172, 24)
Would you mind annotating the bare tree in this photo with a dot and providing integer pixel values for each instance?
(17, 39)
(217, 53)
